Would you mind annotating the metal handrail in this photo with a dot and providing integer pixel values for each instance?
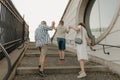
(9, 43)
(12, 42)
(8, 62)
(109, 46)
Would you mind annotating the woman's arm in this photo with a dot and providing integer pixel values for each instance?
(89, 44)
(74, 28)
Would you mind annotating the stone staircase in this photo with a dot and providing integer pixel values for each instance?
(68, 70)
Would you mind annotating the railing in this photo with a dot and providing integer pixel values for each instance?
(10, 46)
(13, 28)
(4, 51)
(13, 32)
(108, 46)
(8, 62)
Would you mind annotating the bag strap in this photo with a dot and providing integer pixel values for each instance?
(81, 32)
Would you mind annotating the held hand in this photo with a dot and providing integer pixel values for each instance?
(91, 47)
(70, 27)
(53, 23)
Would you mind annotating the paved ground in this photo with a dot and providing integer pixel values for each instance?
(70, 76)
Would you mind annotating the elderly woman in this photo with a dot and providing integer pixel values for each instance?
(42, 39)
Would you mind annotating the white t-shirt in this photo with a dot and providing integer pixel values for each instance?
(61, 30)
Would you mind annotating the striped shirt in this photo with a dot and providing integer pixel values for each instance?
(41, 35)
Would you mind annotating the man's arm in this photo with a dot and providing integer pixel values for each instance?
(67, 30)
(53, 25)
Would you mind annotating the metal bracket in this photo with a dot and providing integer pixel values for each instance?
(105, 51)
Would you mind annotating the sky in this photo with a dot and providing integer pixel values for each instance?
(35, 11)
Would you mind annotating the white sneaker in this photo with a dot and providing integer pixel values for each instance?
(81, 74)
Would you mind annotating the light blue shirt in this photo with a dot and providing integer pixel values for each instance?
(41, 35)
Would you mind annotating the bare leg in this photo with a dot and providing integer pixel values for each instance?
(42, 62)
(82, 72)
(42, 57)
(82, 65)
(62, 54)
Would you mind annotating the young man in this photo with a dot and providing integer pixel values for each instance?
(42, 39)
(61, 31)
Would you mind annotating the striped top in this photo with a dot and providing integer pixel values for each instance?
(41, 35)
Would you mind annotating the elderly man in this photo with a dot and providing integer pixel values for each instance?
(42, 39)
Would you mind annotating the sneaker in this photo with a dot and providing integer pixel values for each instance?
(81, 74)
(39, 66)
(61, 60)
(42, 73)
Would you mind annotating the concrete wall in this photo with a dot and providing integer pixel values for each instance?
(74, 14)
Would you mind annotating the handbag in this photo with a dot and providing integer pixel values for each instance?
(79, 40)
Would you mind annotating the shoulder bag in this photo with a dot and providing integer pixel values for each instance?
(79, 40)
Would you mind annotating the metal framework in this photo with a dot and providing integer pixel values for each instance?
(13, 28)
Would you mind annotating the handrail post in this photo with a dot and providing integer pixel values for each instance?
(105, 51)
(8, 62)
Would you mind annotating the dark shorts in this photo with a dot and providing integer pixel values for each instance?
(61, 43)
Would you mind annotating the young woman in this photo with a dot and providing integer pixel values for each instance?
(81, 48)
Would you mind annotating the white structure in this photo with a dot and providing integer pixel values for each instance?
(109, 16)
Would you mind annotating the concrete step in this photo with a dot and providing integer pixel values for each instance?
(70, 76)
(29, 65)
(36, 53)
(50, 55)
(68, 70)
(33, 47)
(33, 61)
(60, 69)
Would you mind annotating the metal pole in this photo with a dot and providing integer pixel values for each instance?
(99, 15)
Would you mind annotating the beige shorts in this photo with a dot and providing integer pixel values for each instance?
(43, 49)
